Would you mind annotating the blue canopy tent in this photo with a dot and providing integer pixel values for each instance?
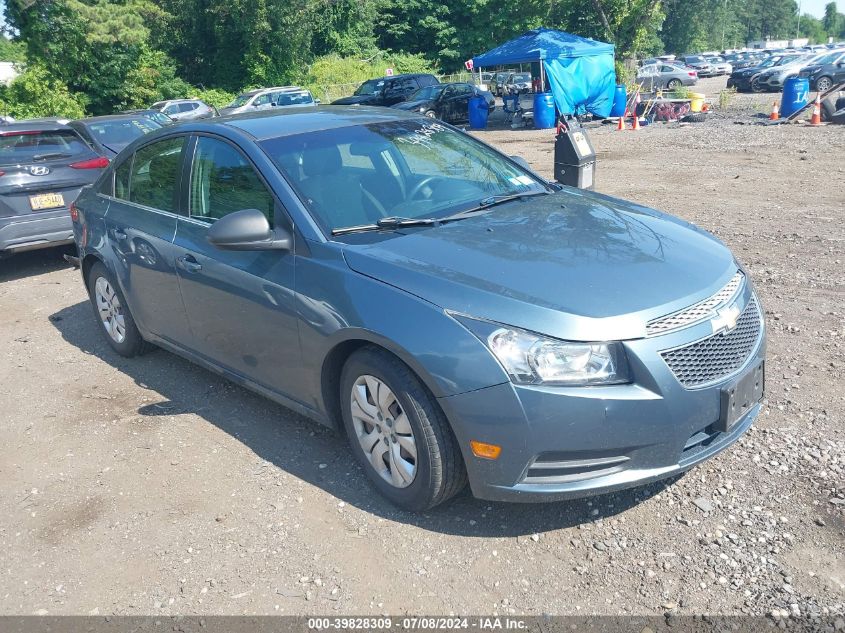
(580, 70)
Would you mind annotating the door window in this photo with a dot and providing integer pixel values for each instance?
(121, 179)
(173, 108)
(187, 107)
(263, 99)
(154, 178)
(223, 181)
(463, 90)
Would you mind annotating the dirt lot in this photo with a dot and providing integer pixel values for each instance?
(151, 486)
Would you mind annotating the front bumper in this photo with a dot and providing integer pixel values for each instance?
(36, 230)
(564, 443)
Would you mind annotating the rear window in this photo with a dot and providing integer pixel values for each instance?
(32, 146)
(117, 134)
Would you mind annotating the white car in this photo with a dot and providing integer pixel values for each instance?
(721, 66)
(773, 79)
(264, 98)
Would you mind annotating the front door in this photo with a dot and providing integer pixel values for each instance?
(140, 225)
(240, 304)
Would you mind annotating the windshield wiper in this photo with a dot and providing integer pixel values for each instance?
(51, 155)
(492, 201)
(392, 222)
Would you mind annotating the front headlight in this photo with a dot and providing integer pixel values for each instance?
(532, 359)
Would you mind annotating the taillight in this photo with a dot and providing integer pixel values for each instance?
(100, 162)
(74, 212)
(2, 173)
(692, 73)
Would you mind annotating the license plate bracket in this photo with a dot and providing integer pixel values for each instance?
(740, 396)
(46, 201)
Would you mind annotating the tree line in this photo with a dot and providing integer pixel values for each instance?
(98, 56)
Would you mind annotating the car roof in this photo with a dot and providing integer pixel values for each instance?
(34, 126)
(274, 123)
(126, 116)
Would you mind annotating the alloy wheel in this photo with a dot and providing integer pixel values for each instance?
(823, 84)
(110, 310)
(384, 431)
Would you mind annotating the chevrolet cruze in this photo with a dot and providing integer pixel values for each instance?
(458, 316)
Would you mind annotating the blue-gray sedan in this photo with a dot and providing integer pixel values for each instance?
(460, 317)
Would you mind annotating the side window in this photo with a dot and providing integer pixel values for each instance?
(263, 99)
(187, 107)
(154, 180)
(463, 90)
(223, 181)
(173, 108)
(121, 179)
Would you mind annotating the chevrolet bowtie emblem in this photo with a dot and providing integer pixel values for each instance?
(725, 319)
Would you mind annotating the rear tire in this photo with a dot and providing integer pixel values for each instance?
(112, 313)
(431, 114)
(398, 432)
(823, 84)
(673, 83)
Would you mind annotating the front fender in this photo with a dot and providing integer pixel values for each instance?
(338, 305)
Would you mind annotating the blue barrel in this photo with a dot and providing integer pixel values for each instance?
(544, 111)
(478, 111)
(796, 94)
(620, 100)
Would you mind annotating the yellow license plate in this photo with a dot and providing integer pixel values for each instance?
(46, 201)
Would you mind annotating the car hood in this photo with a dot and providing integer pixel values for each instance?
(414, 105)
(574, 264)
(354, 100)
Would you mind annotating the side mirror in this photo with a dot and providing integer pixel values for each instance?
(519, 160)
(248, 230)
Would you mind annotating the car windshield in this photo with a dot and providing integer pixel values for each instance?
(303, 97)
(522, 77)
(26, 146)
(357, 175)
(371, 87)
(241, 100)
(428, 93)
(117, 134)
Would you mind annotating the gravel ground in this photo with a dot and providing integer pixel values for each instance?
(150, 486)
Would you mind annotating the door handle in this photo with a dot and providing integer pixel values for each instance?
(188, 264)
(118, 234)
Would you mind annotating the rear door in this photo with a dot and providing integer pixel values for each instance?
(459, 102)
(240, 304)
(839, 70)
(140, 226)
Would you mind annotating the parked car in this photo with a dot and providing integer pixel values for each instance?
(826, 72)
(159, 117)
(447, 102)
(720, 65)
(460, 317)
(43, 167)
(748, 79)
(281, 96)
(500, 79)
(185, 109)
(700, 65)
(385, 91)
(668, 76)
(107, 135)
(517, 83)
(772, 79)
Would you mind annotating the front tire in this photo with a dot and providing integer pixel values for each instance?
(113, 314)
(431, 114)
(398, 432)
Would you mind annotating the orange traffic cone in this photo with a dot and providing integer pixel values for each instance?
(775, 115)
(816, 119)
(636, 125)
(621, 124)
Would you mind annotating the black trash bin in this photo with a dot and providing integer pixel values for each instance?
(575, 158)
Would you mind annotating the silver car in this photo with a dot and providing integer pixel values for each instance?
(264, 98)
(670, 76)
(185, 109)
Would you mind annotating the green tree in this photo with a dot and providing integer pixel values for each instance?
(36, 93)
(831, 21)
(12, 50)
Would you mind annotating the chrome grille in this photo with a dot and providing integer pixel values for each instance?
(698, 312)
(718, 356)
